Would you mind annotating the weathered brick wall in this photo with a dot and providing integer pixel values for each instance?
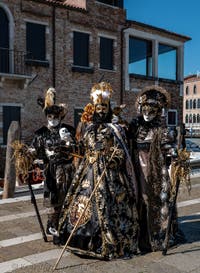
(72, 88)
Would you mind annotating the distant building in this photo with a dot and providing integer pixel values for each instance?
(191, 103)
(71, 45)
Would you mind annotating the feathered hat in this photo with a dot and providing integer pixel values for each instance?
(49, 106)
(101, 93)
(153, 94)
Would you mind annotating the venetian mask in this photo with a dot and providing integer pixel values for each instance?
(101, 109)
(149, 111)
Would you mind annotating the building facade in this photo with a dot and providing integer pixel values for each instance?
(191, 104)
(71, 45)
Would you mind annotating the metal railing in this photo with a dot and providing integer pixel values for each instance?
(13, 62)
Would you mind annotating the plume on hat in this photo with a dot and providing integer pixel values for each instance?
(101, 92)
(50, 97)
(48, 104)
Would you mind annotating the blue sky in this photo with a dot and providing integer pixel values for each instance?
(180, 16)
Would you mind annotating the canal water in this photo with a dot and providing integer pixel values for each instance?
(195, 140)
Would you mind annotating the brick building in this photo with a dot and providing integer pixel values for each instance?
(73, 44)
(191, 103)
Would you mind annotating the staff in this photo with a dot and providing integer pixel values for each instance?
(87, 204)
(33, 201)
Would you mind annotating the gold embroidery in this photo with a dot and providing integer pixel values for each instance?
(77, 210)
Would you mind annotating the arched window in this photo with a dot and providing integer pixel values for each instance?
(190, 118)
(194, 89)
(190, 104)
(194, 104)
(198, 118)
(186, 118)
(4, 41)
(198, 103)
(186, 104)
(194, 118)
(187, 90)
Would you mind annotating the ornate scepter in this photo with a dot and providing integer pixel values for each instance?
(180, 171)
(87, 204)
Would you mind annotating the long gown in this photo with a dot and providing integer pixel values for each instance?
(152, 147)
(108, 228)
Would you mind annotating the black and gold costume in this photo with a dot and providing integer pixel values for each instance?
(108, 228)
(53, 144)
(153, 146)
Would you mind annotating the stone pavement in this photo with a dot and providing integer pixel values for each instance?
(22, 248)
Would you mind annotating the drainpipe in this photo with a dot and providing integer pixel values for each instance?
(122, 64)
(53, 46)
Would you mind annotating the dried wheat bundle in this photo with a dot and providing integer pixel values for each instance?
(23, 159)
(181, 170)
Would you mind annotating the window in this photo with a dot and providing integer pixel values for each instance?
(116, 3)
(190, 118)
(172, 117)
(4, 42)
(187, 90)
(140, 56)
(194, 89)
(35, 41)
(186, 104)
(151, 55)
(81, 49)
(194, 118)
(167, 59)
(106, 53)
(186, 118)
(194, 104)
(190, 104)
(198, 103)
(198, 118)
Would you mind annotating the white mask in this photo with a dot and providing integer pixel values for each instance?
(53, 122)
(149, 117)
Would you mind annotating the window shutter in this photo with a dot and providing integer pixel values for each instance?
(4, 42)
(35, 41)
(81, 49)
(106, 53)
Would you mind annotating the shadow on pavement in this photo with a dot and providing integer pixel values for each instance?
(190, 225)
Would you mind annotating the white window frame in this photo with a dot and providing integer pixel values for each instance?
(156, 39)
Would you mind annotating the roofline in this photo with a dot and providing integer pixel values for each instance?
(186, 38)
(59, 4)
(190, 76)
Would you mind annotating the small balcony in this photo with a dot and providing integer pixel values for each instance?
(13, 67)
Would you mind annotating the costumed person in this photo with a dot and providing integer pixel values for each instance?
(54, 145)
(100, 205)
(153, 150)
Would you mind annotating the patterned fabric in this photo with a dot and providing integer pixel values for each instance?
(108, 228)
(152, 148)
(59, 169)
